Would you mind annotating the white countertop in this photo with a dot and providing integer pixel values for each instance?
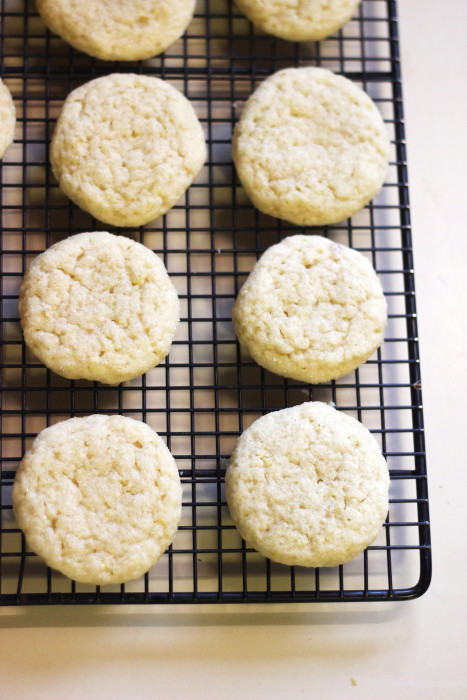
(383, 650)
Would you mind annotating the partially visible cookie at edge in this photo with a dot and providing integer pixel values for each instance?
(126, 147)
(7, 118)
(100, 307)
(310, 147)
(98, 498)
(310, 309)
(308, 486)
(118, 31)
(299, 21)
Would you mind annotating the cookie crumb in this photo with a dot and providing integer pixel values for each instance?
(353, 680)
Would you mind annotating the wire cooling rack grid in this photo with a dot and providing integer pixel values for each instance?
(206, 393)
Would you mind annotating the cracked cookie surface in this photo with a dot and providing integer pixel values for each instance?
(7, 118)
(118, 30)
(310, 147)
(126, 147)
(98, 498)
(308, 486)
(297, 20)
(100, 307)
(311, 309)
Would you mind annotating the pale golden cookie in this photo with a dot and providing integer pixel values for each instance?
(311, 309)
(126, 147)
(118, 30)
(7, 118)
(296, 20)
(308, 486)
(310, 147)
(98, 498)
(100, 307)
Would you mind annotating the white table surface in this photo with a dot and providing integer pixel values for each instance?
(381, 650)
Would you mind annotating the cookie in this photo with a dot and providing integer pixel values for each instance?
(98, 498)
(98, 306)
(7, 118)
(299, 21)
(311, 309)
(126, 147)
(118, 31)
(308, 486)
(310, 147)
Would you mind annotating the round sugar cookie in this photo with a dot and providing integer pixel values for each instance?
(118, 30)
(308, 486)
(7, 118)
(311, 309)
(296, 20)
(126, 147)
(99, 307)
(310, 147)
(98, 498)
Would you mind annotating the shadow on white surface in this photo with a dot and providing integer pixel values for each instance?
(202, 615)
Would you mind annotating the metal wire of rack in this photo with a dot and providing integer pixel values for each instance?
(206, 392)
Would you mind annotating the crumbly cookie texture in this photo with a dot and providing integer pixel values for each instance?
(296, 20)
(311, 309)
(100, 307)
(7, 118)
(310, 147)
(126, 147)
(98, 498)
(114, 30)
(308, 486)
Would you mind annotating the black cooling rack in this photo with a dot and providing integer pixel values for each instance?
(206, 393)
